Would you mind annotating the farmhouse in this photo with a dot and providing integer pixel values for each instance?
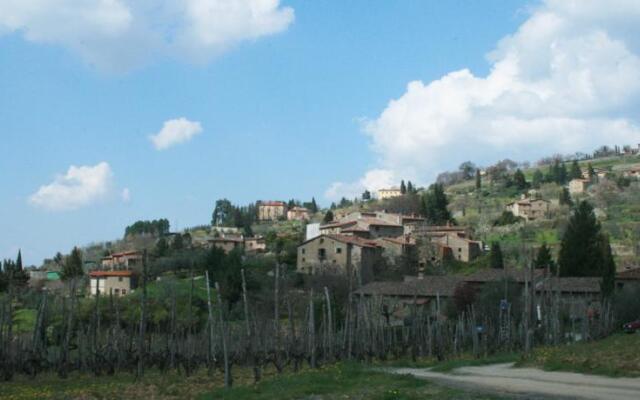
(271, 210)
(577, 186)
(298, 214)
(529, 209)
(389, 193)
(119, 283)
(337, 254)
(227, 244)
(255, 244)
(124, 260)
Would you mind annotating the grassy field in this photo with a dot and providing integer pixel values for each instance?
(344, 381)
(618, 355)
(341, 381)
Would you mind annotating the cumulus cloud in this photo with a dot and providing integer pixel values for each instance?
(175, 131)
(567, 80)
(120, 34)
(79, 187)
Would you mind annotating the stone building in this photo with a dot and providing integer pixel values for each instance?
(298, 214)
(577, 186)
(389, 193)
(271, 210)
(338, 254)
(119, 283)
(529, 209)
(124, 260)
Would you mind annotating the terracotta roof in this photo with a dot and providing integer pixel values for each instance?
(400, 240)
(571, 284)
(632, 274)
(272, 203)
(299, 209)
(97, 274)
(125, 253)
(391, 189)
(227, 239)
(353, 240)
(338, 224)
(429, 286)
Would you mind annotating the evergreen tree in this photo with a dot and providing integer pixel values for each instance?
(72, 265)
(565, 197)
(519, 180)
(562, 174)
(544, 259)
(608, 267)
(178, 243)
(435, 204)
(537, 180)
(580, 250)
(19, 277)
(495, 256)
(366, 195)
(403, 188)
(410, 188)
(162, 248)
(478, 180)
(328, 217)
(314, 206)
(576, 172)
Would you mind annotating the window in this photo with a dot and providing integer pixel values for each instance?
(304, 251)
(124, 291)
(303, 259)
(459, 249)
(322, 254)
(116, 291)
(119, 279)
(321, 240)
(338, 250)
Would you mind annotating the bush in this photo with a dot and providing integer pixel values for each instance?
(626, 304)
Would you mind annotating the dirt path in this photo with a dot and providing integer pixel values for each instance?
(504, 379)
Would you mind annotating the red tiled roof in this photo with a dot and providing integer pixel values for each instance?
(353, 240)
(272, 203)
(492, 275)
(429, 286)
(97, 274)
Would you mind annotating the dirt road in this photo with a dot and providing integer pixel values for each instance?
(503, 379)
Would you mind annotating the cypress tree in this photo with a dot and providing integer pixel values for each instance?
(314, 205)
(537, 180)
(73, 265)
(519, 180)
(478, 180)
(580, 250)
(608, 267)
(565, 197)
(328, 217)
(435, 204)
(403, 187)
(544, 259)
(495, 257)
(576, 172)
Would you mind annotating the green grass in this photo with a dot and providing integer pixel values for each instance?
(121, 386)
(25, 320)
(343, 381)
(617, 355)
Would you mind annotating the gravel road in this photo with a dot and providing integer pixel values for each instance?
(530, 382)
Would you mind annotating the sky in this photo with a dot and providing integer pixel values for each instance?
(113, 111)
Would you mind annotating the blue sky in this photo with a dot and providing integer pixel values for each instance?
(296, 107)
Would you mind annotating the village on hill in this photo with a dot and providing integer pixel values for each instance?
(404, 241)
(485, 260)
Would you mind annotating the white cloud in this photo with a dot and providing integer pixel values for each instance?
(120, 34)
(125, 195)
(79, 187)
(175, 131)
(568, 80)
